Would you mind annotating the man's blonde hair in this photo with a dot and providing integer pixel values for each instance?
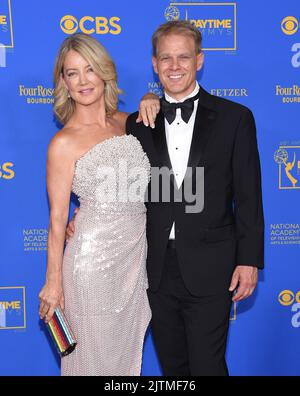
(177, 27)
(98, 58)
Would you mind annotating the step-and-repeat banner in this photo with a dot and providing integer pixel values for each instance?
(252, 56)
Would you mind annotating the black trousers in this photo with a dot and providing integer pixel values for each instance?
(189, 332)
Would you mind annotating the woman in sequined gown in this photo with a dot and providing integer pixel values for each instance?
(100, 281)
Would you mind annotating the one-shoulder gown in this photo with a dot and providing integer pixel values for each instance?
(104, 265)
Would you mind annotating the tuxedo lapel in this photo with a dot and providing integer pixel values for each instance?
(160, 141)
(205, 118)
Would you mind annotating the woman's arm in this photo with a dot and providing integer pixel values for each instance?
(60, 171)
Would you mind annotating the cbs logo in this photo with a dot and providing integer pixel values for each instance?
(287, 297)
(6, 171)
(89, 25)
(289, 25)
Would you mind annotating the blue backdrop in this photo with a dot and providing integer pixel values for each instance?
(252, 56)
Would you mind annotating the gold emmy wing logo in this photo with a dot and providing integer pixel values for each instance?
(172, 13)
(90, 25)
(287, 297)
(289, 25)
(288, 160)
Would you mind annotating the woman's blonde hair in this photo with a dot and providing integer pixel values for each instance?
(96, 55)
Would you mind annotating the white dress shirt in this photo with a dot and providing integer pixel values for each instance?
(179, 137)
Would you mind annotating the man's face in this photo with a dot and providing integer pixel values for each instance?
(176, 64)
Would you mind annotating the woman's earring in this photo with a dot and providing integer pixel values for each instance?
(69, 95)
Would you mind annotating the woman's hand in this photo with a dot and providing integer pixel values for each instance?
(148, 110)
(51, 296)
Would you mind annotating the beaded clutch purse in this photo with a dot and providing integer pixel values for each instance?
(61, 333)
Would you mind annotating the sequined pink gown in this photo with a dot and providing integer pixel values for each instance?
(104, 266)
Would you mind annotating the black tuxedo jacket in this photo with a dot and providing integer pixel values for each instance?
(229, 231)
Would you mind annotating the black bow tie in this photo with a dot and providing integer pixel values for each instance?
(187, 107)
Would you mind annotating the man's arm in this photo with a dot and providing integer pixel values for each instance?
(148, 109)
(248, 208)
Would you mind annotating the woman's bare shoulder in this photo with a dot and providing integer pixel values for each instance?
(64, 142)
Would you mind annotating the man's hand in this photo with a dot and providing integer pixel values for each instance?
(245, 277)
(148, 110)
(71, 226)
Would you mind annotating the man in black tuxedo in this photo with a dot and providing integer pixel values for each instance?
(197, 260)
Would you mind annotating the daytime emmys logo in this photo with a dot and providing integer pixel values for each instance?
(123, 184)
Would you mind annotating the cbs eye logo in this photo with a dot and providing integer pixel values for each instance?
(89, 25)
(289, 25)
(6, 171)
(69, 24)
(287, 297)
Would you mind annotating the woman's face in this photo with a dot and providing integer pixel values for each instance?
(84, 85)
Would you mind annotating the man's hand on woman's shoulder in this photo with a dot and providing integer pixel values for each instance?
(148, 109)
